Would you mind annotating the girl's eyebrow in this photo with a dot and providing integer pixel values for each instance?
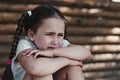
(53, 32)
(50, 32)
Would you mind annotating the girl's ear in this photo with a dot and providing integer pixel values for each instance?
(30, 34)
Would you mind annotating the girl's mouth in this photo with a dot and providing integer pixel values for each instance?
(49, 48)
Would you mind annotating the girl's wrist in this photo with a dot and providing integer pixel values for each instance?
(52, 52)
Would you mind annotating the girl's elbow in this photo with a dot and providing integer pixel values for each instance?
(34, 71)
(38, 71)
(88, 54)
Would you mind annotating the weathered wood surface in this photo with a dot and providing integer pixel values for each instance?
(82, 3)
(94, 24)
(13, 17)
(71, 11)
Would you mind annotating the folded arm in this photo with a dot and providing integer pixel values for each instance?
(75, 52)
(44, 66)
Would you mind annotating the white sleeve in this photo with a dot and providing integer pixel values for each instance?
(22, 45)
(65, 43)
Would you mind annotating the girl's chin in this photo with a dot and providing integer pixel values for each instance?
(49, 48)
(46, 49)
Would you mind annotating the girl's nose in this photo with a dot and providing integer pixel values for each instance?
(55, 41)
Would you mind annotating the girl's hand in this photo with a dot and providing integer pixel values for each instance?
(75, 63)
(37, 53)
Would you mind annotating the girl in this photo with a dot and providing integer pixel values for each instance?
(44, 54)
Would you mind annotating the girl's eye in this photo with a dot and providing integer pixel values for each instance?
(61, 35)
(48, 34)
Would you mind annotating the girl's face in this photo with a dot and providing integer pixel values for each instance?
(49, 35)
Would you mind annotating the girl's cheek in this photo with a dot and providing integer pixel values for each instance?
(60, 43)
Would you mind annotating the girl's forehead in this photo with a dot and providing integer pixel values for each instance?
(54, 24)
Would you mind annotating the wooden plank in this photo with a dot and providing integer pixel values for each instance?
(7, 29)
(83, 3)
(111, 78)
(105, 74)
(83, 12)
(71, 11)
(93, 67)
(16, 7)
(92, 40)
(81, 30)
(106, 56)
(9, 17)
(104, 48)
(77, 21)
(3, 61)
(4, 52)
(6, 39)
(13, 17)
(1, 71)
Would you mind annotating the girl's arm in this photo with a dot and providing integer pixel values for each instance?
(44, 66)
(75, 52)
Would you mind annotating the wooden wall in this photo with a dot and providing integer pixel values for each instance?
(94, 24)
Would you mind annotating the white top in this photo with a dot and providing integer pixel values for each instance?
(18, 71)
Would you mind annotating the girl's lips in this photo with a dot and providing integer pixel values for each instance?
(51, 48)
(48, 48)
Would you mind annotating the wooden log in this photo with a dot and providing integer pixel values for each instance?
(1, 71)
(108, 78)
(87, 4)
(4, 52)
(104, 48)
(6, 39)
(71, 11)
(92, 40)
(13, 18)
(9, 17)
(111, 78)
(46, 2)
(81, 30)
(106, 57)
(97, 13)
(3, 61)
(91, 22)
(101, 61)
(105, 74)
(7, 29)
(90, 67)
(16, 7)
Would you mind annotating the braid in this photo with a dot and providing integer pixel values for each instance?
(16, 37)
(8, 72)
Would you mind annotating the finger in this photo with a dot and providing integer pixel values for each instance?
(25, 52)
(32, 52)
(36, 55)
(81, 65)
